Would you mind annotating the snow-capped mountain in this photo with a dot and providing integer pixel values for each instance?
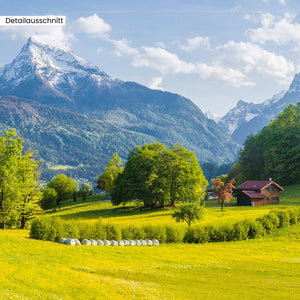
(52, 72)
(55, 76)
(249, 118)
(213, 116)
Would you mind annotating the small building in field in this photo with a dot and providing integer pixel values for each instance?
(254, 193)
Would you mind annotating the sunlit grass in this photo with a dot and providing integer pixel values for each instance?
(133, 214)
(266, 268)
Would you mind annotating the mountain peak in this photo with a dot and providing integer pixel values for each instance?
(295, 85)
(54, 64)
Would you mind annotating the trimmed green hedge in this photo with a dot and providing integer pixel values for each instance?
(53, 229)
(247, 229)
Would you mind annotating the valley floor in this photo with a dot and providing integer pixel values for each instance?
(266, 268)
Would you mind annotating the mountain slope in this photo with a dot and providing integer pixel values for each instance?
(249, 118)
(65, 138)
(59, 78)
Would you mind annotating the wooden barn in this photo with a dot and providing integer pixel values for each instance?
(254, 193)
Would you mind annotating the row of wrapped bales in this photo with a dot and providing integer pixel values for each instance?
(76, 242)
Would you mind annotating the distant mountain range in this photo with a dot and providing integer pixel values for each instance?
(249, 118)
(74, 114)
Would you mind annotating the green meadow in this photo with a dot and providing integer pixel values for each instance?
(264, 268)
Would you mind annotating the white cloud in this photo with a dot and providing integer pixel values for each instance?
(92, 25)
(196, 42)
(162, 60)
(50, 35)
(280, 30)
(123, 47)
(282, 2)
(253, 59)
(166, 62)
(155, 83)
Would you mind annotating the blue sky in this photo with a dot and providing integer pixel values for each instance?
(213, 52)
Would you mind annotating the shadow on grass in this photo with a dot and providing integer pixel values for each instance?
(112, 212)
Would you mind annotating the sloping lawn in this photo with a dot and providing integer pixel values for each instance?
(266, 268)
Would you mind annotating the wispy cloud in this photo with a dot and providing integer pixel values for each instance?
(196, 42)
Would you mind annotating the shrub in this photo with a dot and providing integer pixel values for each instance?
(270, 222)
(190, 236)
(45, 229)
(173, 235)
(240, 231)
(201, 234)
(284, 218)
(131, 233)
(99, 231)
(112, 232)
(255, 230)
(220, 233)
(294, 215)
(155, 232)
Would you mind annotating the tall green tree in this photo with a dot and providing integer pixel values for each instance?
(30, 193)
(10, 154)
(111, 171)
(160, 175)
(64, 187)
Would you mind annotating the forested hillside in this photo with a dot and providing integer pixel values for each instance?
(273, 153)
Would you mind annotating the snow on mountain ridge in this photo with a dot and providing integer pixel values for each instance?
(55, 65)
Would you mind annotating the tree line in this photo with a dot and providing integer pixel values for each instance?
(272, 153)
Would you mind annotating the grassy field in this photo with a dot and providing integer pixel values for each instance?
(267, 268)
(94, 208)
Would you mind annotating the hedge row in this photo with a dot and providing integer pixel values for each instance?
(53, 229)
(243, 230)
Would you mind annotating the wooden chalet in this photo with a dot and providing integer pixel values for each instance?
(254, 193)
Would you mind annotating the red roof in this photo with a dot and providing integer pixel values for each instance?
(253, 194)
(253, 185)
(257, 185)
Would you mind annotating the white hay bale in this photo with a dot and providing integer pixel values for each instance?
(132, 243)
(138, 242)
(86, 242)
(143, 243)
(77, 242)
(121, 243)
(155, 242)
(62, 240)
(70, 242)
(114, 243)
(126, 243)
(93, 242)
(149, 242)
(107, 243)
(100, 243)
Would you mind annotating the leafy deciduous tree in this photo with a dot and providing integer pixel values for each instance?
(64, 187)
(157, 174)
(49, 198)
(188, 212)
(111, 171)
(31, 195)
(222, 189)
(10, 153)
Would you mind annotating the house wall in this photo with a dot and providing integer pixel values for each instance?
(243, 200)
(273, 194)
(260, 202)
